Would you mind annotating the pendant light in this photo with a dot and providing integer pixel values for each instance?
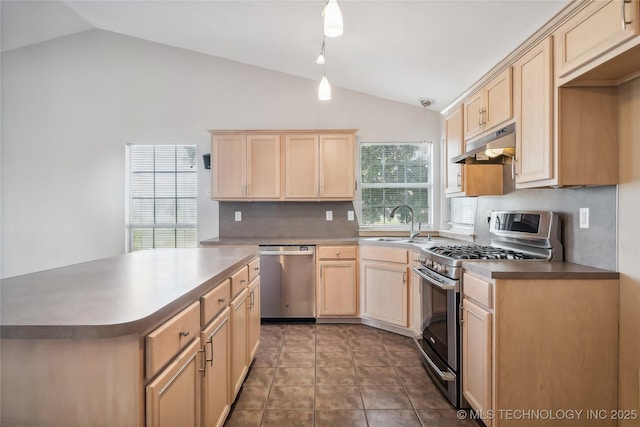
(332, 19)
(324, 90)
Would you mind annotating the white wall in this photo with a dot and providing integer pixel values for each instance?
(70, 105)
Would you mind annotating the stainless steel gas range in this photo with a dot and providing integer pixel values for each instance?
(516, 236)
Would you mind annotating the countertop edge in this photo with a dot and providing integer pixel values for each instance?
(140, 326)
(539, 271)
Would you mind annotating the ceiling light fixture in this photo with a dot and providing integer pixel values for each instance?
(324, 90)
(320, 59)
(332, 19)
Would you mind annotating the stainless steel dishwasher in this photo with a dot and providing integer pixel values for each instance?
(287, 282)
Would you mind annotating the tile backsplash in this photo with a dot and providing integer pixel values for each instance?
(594, 246)
(287, 219)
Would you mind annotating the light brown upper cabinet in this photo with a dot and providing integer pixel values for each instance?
(488, 107)
(533, 100)
(565, 136)
(454, 144)
(598, 28)
(245, 166)
(469, 179)
(320, 166)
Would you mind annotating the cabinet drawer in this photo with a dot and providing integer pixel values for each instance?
(478, 290)
(381, 253)
(254, 269)
(337, 252)
(165, 342)
(239, 280)
(215, 301)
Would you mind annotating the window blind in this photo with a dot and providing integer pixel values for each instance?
(393, 174)
(461, 212)
(163, 191)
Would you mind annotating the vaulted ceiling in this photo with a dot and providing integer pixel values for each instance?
(393, 49)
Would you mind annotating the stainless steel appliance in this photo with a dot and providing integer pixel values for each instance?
(287, 281)
(516, 236)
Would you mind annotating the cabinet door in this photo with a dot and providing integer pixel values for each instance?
(533, 98)
(454, 144)
(253, 308)
(476, 356)
(337, 177)
(473, 111)
(263, 166)
(173, 398)
(239, 365)
(229, 166)
(499, 98)
(215, 380)
(301, 167)
(337, 290)
(598, 28)
(385, 292)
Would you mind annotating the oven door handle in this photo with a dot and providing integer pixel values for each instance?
(433, 281)
(444, 376)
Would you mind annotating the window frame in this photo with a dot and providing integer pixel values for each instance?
(431, 186)
(130, 226)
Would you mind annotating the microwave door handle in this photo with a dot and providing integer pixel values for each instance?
(442, 286)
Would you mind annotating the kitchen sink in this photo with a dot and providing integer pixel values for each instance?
(392, 239)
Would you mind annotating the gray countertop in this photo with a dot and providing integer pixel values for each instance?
(233, 241)
(532, 270)
(117, 296)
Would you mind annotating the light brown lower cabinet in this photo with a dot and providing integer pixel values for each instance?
(476, 358)
(337, 281)
(546, 346)
(253, 320)
(384, 275)
(239, 365)
(215, 341)
(173, 398)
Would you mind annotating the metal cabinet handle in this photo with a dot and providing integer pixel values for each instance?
(210, 342)
(458, 179)
(404, 277)
(624, 15)
(221, 300)
(337, 253)
(256, 268)
(183, 333)
(243, 281)
(204, 361)
(479, 117)
(513, 168)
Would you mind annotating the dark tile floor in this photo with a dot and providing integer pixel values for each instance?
(339, 376)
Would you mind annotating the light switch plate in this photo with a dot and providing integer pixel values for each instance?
(584, 217)
(238, 216)
(350, 216)
(329, 215)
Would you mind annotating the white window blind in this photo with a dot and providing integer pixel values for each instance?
(461, 212)
(393, 174)
(163, 191)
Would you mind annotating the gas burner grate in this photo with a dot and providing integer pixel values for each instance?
(478, 252)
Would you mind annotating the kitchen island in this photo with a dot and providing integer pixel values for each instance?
(83, 344)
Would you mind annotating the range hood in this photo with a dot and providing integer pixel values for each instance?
(503, 141)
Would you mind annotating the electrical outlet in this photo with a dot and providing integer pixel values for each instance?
(350, 216)
(584, 217)
(238, 216)
(329, 215)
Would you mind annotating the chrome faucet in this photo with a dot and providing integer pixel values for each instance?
(412, 234)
